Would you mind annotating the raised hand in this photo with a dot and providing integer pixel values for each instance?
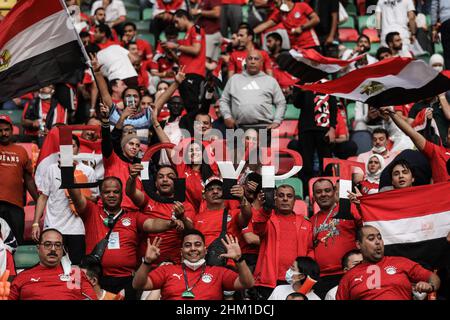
(96, 66)
(152, 253)
(178, 210)
(180, 76)
(177, 224)
(232, 246)
(354, 196)
(237, 191)
(104, 112)
(135, 169)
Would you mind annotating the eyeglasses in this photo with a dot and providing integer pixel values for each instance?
(48, 245)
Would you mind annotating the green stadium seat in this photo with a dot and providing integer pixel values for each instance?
(245, 9)
(349, 45)
(351, 9)
(350, 23)
(15, 115)
(147, 14)
(296, 183)
(131, 5)
(373, 48)
(26, 256)
(438, 48)
(424, 57)
(292, 113)
(149, 37)
(142, 25)
(350, 112)
(133, 14)
(428, 20)
(366, 22)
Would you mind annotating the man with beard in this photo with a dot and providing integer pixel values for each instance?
(379, 277)
(100, 18)
(362, 46)
(120, 255)
(395, 43)
(50, 279)
(201, 282)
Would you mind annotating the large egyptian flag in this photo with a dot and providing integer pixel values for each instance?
(310, 66)
(414, 222)
(394, 81)
(38, 47)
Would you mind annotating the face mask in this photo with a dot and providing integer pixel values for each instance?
(378, 149)
(284, 8)
(438, 68)
(194, 265)
(45, 96)
(290, 275)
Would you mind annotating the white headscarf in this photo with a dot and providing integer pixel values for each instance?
(374, 177)
(437, 58)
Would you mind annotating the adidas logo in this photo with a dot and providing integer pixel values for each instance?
(251, 86)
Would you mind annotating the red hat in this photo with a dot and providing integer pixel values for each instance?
(5, 118)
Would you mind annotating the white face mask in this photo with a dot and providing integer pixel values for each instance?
(290, 275)
(194, 265)
(284, 8)
(379, 149)
(45, 96)
(438, 68)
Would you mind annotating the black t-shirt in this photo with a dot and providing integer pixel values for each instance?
(324, 9)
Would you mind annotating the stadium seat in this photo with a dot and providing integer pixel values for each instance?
(296, 183)
(366, 22)
(142, 25)
(288, 128)
(349, 45)
(372, 34)
(149, 37)
(292, 113)
(438, 48)
(300, 208)
(349, 24)
(131, 5)
(147, 14)
(245, 9)
(350, 113)
(351, 9)
(363, 140)
(347, 34)
(285, 165)
(283, 142)
(26, 257)
(133, 14)
(15, 115)
(374, 48)
(424, 57)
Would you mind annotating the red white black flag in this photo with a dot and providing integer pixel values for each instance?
(310, 66)
(414, 222)
(38, 47)
(394, 81)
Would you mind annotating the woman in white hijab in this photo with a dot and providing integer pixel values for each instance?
(437, 62)
(374, 167)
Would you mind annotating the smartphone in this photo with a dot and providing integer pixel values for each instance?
(130, 102)
(226, 189)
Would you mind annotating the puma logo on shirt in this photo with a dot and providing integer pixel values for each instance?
(177, 275)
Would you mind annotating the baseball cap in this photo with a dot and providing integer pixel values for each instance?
(213, 180)
(5, 118)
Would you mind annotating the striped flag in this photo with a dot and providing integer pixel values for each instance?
(414, 222)
(310, 66)
(38, 46)
(394, 81)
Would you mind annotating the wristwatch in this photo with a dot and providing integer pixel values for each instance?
(241, 258)
(145, 262)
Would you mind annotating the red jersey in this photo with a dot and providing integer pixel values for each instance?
(169, 6)
(245, 247)
(287, 255)
(210, 285)
(388, 279)
(143, 76)
(120, 258)
(106, 44)
(298, 16)
(194, 64)
(341, 123)
(284, 79)
(114, 166)
(43, 283)
(171, 239)
(241, 2)
(237, 61)
(438, 157)
(333, 238)
(209, 222)
(145, 49)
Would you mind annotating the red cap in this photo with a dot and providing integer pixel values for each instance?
(5, 118)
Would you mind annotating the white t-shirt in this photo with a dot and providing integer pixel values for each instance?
(114, 11)
(281, 293)
(115, 63)
(58, 214)
(331, 294)
(394, 17)
(349, 54)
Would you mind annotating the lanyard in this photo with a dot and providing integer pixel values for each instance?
(188, 293)
(322, 225)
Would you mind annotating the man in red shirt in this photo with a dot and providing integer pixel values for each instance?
(209, 220)
(102, 36)
(238, 57)
(193, 279)
(284, 235)
(332, 237)
(145, 50)
(161, 205)
(379, 277)
(437, 155)
(51, 279)
(191, 55)
(120, 256)
(299, 20)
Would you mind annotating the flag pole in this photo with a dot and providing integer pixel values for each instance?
(83, 49)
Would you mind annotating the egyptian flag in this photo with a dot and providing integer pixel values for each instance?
(310, 66)
(414, 222)
(394, 81)
(52, 147)
(429, 127)
(38, 47)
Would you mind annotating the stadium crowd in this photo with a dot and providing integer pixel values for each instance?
(170, 222)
